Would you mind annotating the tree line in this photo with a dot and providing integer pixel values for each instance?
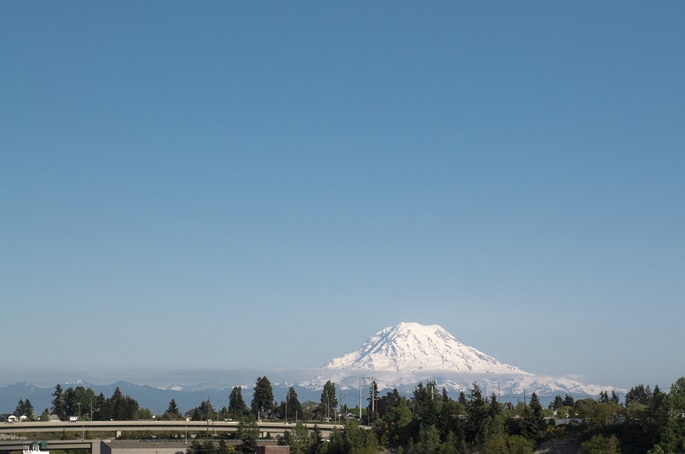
(82, 403)
(429, 421)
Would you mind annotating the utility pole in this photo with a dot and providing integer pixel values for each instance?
(373, 380)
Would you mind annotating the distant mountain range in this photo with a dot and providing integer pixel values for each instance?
(396, 357)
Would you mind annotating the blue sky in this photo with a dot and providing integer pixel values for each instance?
(267, 184)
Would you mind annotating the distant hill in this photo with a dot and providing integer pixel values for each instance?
(155, 398)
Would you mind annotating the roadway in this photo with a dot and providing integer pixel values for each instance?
(183, 427)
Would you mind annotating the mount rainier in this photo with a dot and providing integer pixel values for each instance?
(396, 357)
(402, 356)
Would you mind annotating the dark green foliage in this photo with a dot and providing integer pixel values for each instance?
(172, 412)
(202, 447)
(394, 426)
(123, 408)
(649, 421)
(83, 403)
(58, 403)
(301, 440)
(291, 408)
(568, 401)
(599, 444)
(352, 440)
(533, 424)
(428, 441)
(639, 394)
(329, 401)
(477, 413)
(426, 403)
(508, 444)
(202, 413)
(451, 419)
(24, 408)
(248, 433)
(143, 414)
(237, 407)
(263, 398)
(557, 403)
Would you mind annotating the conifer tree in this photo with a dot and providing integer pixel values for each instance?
(236, 405)
(329, 402)
(172, 412)
(263, 398)
(58, 403)
(533, 420)
(293, 407)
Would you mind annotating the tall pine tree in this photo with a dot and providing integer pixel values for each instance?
(57, 407)
(263, 398)
(236, 405)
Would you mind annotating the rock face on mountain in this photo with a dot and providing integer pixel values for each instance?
(411, 347)
(402, 356)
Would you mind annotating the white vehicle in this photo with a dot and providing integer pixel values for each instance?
(35, 448)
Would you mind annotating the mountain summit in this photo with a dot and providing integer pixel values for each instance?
(412, 347)
(402, 356)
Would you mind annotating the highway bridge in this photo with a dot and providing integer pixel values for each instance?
(22, 433)
(116, 428)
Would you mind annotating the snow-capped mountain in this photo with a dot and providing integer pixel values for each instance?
(411, 347)
(402, 356)
(395, 357)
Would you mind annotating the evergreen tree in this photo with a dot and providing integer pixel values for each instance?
(236, 405)
(641, 394)
(71, 403)
(143, 414)
(600, 444)
(352, 439)
(263, 398)
(24, 408)
(533, 423)
(172, 412)
(300, 439)
(329, 402)
(451, 420)
(425, 405)
(203, 447)
(20, 408)
(557, 404)
(656, 416)
(673, 437)
(203, 412)
(495, 421)
(428, 441)
(293, 407)
(393, 427)
(118, 407)
(248, 433)
(476, 416)
(569, 401)
(58, 403)
(102, 409)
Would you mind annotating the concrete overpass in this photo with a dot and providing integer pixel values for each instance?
(83, 431)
